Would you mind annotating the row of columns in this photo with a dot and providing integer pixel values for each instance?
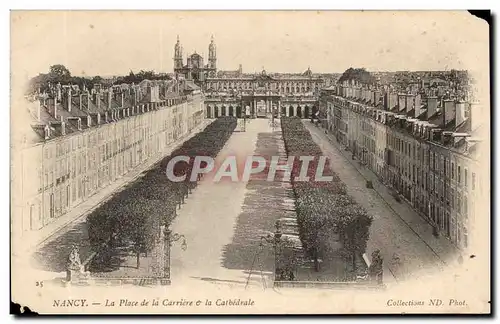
(215, 111)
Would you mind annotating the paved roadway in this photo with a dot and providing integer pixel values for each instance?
(404, 237)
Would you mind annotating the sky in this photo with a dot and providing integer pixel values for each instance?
(114, 42)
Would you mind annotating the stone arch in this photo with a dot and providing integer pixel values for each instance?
(231, 110)
(216, 111)
(238, 111)
(307, 111)
(299, 111)
(290, 111)
(283, 110)
(223, 110)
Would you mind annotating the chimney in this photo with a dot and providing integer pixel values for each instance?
(431, 106)
(475, 115)
(55, 109)
(410, 103)
(391, 100)
(418, 104)
(98, 100)
(59, 96)
(402, 102)
(68, 99)
(460, 113)
(375, 97)
(110, 97)
(63, 126)
(449, 111)
(81, 101)
(88, 100)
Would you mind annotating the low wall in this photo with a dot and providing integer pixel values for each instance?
(329, 285)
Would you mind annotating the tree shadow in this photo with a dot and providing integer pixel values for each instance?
(261, 208)
(111, 258)
(53, 256)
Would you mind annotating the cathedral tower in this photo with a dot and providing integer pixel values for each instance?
(178, 55)
(212, 55)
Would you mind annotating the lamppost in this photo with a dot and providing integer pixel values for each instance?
(166, 240)
(277, 240)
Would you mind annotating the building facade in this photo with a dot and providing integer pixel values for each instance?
(82, 141)
(195, 69)
(426, 151)
(262, 95)
(234, 93)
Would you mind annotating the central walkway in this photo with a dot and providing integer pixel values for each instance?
(209, 217)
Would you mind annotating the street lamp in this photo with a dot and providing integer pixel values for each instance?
(166, 240)
(276, 240)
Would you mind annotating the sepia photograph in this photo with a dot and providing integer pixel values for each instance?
(250, 162)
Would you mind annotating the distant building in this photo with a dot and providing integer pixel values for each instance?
(291, 95)
(229, 93)
(195, 69)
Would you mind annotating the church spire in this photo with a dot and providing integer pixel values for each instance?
(178, 54)
(212, 55)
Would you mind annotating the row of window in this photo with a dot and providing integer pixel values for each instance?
(271, 86)
(53, 171)
(436, 161)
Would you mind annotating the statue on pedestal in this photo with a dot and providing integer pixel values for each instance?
(74, 259)
(75, 272)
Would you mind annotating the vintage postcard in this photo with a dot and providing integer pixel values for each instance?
(250, 162)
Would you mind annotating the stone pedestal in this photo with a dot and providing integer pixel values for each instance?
(75, 276)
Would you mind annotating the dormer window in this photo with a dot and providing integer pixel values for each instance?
(47, 132)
